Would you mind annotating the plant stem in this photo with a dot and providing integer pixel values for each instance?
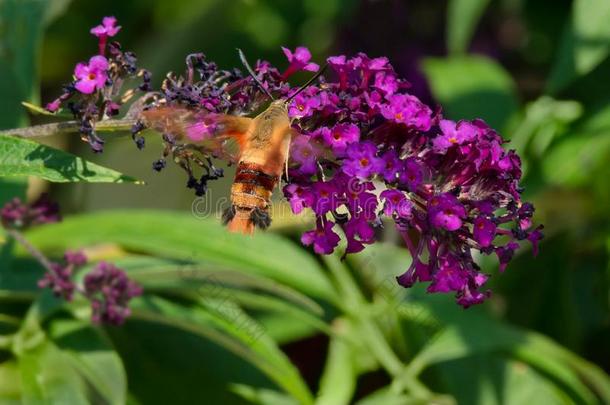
(355, 306)
(32, 250)
(68, 127)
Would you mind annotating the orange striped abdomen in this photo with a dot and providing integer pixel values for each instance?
(250, 199)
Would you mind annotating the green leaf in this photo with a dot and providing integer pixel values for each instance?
(584, 45)
(475, 335)
(93, 357)
(21, 24)
(462, 19)
(338, 381)
(162, 274)
(233, 330)
(10, 383)
(22, 157)
(472, 87)
(575, 160)
(183, 237)
(496, 381)
(48, 378)
(262, 396)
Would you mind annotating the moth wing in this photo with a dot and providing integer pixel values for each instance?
(219, 135)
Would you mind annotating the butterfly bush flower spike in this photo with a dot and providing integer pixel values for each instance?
(102, 85)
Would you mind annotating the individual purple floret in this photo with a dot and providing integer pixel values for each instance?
(110, 291)
(299, 60)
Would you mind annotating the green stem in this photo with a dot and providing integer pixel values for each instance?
(68, 127)
(355, 306)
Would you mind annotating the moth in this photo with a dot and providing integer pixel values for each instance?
(259, 147)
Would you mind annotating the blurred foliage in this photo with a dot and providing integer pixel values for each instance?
(228, 320)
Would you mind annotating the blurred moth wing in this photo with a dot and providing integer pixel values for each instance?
(219, 135)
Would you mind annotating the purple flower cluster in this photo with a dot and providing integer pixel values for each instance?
(107, 287)
(59, 277)
(18, 215)
(110, 291)
(97, 93)
(367, 149)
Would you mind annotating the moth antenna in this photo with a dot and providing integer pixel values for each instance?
(308, 83)
(244, 61)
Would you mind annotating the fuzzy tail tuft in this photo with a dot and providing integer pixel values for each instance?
(238, 220)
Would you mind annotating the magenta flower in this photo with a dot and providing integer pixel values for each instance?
(392, 166)
(327, 197)
(396, 203)
(92, 76)
(53, 106)
(386, 82)
(305, 152)
(323, 239)
(299, 197)
(299, 60)
(341, 135)
(410, 174)
(303, 105)
(358, 233)
(361, 161)
(453, 134)
(407, 109)
(446, 212)
(359, 202)
(483, 231)
(107, 28)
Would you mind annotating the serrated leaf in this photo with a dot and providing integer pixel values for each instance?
(22, 157)
(469, 87)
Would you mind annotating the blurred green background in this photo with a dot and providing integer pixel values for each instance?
(536, 71)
